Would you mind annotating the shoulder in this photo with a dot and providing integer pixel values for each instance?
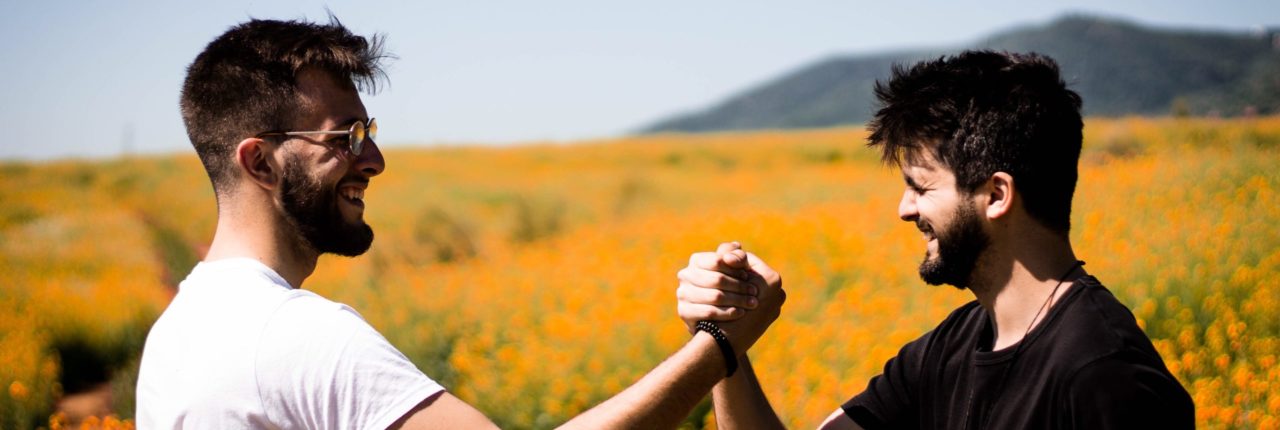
(964, 312)
(1124, 373)
(969, 316)
(893, 398)
(305, 321)
(1094, 324)
(1126, 391)
(305, 310)
(959, 329)
(1113, 363)
(956, 332)
(1094, 328)
(1098, 300)
(319, 361)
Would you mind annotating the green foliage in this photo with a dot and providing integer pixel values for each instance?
(536, 218)
(442, 237)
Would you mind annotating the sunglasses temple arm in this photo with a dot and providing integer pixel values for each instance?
(304, 133)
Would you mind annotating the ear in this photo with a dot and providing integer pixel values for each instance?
(253, 156)
(1000, 196)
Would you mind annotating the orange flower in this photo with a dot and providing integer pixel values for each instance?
(18, 391)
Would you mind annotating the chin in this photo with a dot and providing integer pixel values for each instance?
(934, 271)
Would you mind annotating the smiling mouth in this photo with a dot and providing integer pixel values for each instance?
(354, 196)
(926, 231)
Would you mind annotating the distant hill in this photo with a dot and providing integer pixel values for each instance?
(1118, 67)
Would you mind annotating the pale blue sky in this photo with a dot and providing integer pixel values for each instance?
(98, 78)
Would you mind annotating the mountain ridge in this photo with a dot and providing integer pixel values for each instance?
(1119, 67)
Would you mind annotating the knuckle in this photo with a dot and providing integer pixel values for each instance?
(695, 259)
(700, 278)
(705, 260)
(686, 311)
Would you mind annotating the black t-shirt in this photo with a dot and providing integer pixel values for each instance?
(1087, 365)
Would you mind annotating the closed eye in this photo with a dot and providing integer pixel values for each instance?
(913, 185)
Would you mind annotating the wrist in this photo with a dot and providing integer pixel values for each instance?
(722, 343)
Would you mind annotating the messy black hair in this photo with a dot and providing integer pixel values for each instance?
(983, 112)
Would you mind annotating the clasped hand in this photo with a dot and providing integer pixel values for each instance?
(733, 288)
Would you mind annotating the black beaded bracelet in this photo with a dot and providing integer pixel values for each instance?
(730, 359)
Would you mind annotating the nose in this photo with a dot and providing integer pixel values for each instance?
(370, 162)
(907, 210)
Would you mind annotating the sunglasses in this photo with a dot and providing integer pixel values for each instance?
(356, 135)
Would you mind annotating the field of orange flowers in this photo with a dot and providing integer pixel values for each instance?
(535, 281)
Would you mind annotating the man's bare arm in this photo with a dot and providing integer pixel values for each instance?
(443, 411)
(667, 394)
(740, 403)
(710, 292)
(663, 397)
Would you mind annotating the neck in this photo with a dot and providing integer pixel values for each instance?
(1014, 283)
(261, 233)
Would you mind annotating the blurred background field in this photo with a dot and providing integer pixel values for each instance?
(535, 281)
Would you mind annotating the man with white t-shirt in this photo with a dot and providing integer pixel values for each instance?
(272, 110)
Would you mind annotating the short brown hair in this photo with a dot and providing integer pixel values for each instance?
(245, 82)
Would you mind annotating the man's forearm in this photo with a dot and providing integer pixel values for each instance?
(666, 395)
(740, 402)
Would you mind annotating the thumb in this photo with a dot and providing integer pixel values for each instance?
(731, 255)
(727, 247)
(760, 267)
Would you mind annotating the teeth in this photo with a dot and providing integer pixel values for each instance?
(353, 193)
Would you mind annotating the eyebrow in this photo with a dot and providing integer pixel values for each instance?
(910, 182)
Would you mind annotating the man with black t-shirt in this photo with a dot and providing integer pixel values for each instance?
(988, 144)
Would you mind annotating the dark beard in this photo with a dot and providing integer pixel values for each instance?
(313, 212)
(959, 248)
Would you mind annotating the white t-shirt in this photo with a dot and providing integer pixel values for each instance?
(239, 348)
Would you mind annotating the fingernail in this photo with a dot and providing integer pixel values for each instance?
(752, 302)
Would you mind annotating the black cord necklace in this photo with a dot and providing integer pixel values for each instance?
(1017, 350)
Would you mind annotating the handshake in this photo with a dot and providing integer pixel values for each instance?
(732, 288)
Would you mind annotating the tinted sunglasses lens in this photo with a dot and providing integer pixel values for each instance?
(373, 130)
(357, 137)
